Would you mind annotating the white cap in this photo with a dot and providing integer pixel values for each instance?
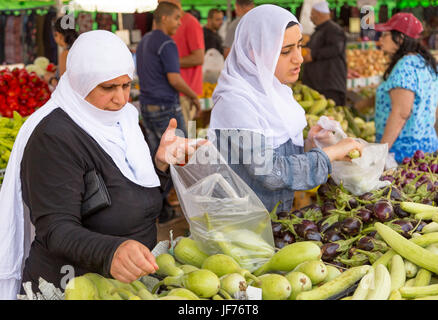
(322, 7)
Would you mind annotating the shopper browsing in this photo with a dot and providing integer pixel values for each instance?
(406, 101)
(81, 173)
(252, 102)
(325, 65)
(212, 38)
(189, 39)
(158, 71)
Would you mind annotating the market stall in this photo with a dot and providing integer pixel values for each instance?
(369, 233)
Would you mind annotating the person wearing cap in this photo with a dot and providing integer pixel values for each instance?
(406, 100)
(325, 64)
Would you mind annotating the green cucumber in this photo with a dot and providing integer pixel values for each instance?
(335, 286)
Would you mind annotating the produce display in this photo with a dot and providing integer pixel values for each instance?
(41, 66)
(9, 128)
(316, 105)
(21, 91)
(366, 63)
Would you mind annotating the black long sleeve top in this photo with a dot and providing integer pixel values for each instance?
(328, 69)
(67, 244)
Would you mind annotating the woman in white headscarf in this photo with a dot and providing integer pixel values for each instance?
(81, 176)
(254, 106)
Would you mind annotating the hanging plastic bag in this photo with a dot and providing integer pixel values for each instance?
(362, 174)
(223, 213)
(213, 65)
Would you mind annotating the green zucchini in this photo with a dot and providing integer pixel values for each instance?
(430, 227)
(423, 278)
(395, 295)
(418, 292)
(364, 286)
(382, 284)
(335, 286)
(408, 249)
(411, 269)
(398, 273)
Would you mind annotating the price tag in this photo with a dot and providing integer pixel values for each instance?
(254, 293)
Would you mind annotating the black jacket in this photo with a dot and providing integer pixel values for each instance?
(55, 160)
(328, 70)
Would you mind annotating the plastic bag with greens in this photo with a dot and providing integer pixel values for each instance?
(223, 213)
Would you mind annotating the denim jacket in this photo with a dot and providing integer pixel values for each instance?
(286, 168)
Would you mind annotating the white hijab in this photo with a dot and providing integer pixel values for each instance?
(248, 95)
(95, 57)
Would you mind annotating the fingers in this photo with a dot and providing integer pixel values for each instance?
(131, 261)
(150, 258)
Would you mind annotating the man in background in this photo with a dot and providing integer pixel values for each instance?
(325, 65)
(242, 7)
(158, 71)
(211, 37)
(189, 39)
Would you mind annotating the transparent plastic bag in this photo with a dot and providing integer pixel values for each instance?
(362, 174)
(213, 65)
(223, 213)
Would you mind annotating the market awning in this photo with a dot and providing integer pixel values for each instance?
(125, 6)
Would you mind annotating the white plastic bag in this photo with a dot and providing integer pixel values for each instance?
(224, 214)
(213, 65)
(362, 174)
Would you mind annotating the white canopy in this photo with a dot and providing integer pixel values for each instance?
(119, 6)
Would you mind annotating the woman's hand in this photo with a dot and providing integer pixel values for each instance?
(131, 261)
(174, 149)
(316, 132)
(339, 151)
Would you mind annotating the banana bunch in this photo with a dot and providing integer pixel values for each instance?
(9, 128)
(316, 105)
(207, 89)
(311, 100)
(92, 286)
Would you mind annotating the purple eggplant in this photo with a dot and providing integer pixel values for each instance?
(368, 196)
(352, 203)
(365, 215)
(406, 160)
(323, 191)
(288, 237)
(276, 228)
(329, 251)
(434, 168)
(365, 243)
(312, 235)
(420, 225)
(396, 194)
(372, 234)
(423, 167)
(283, 215)
(406, 227)
(332, 236)
(400, 212)
(298, 213)
(304, 226)
(280, 243)
(383, 210)
(387, 178)
(428, 202)
(418, 155)
(410, 175)
(351, 226)
(327, 207)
